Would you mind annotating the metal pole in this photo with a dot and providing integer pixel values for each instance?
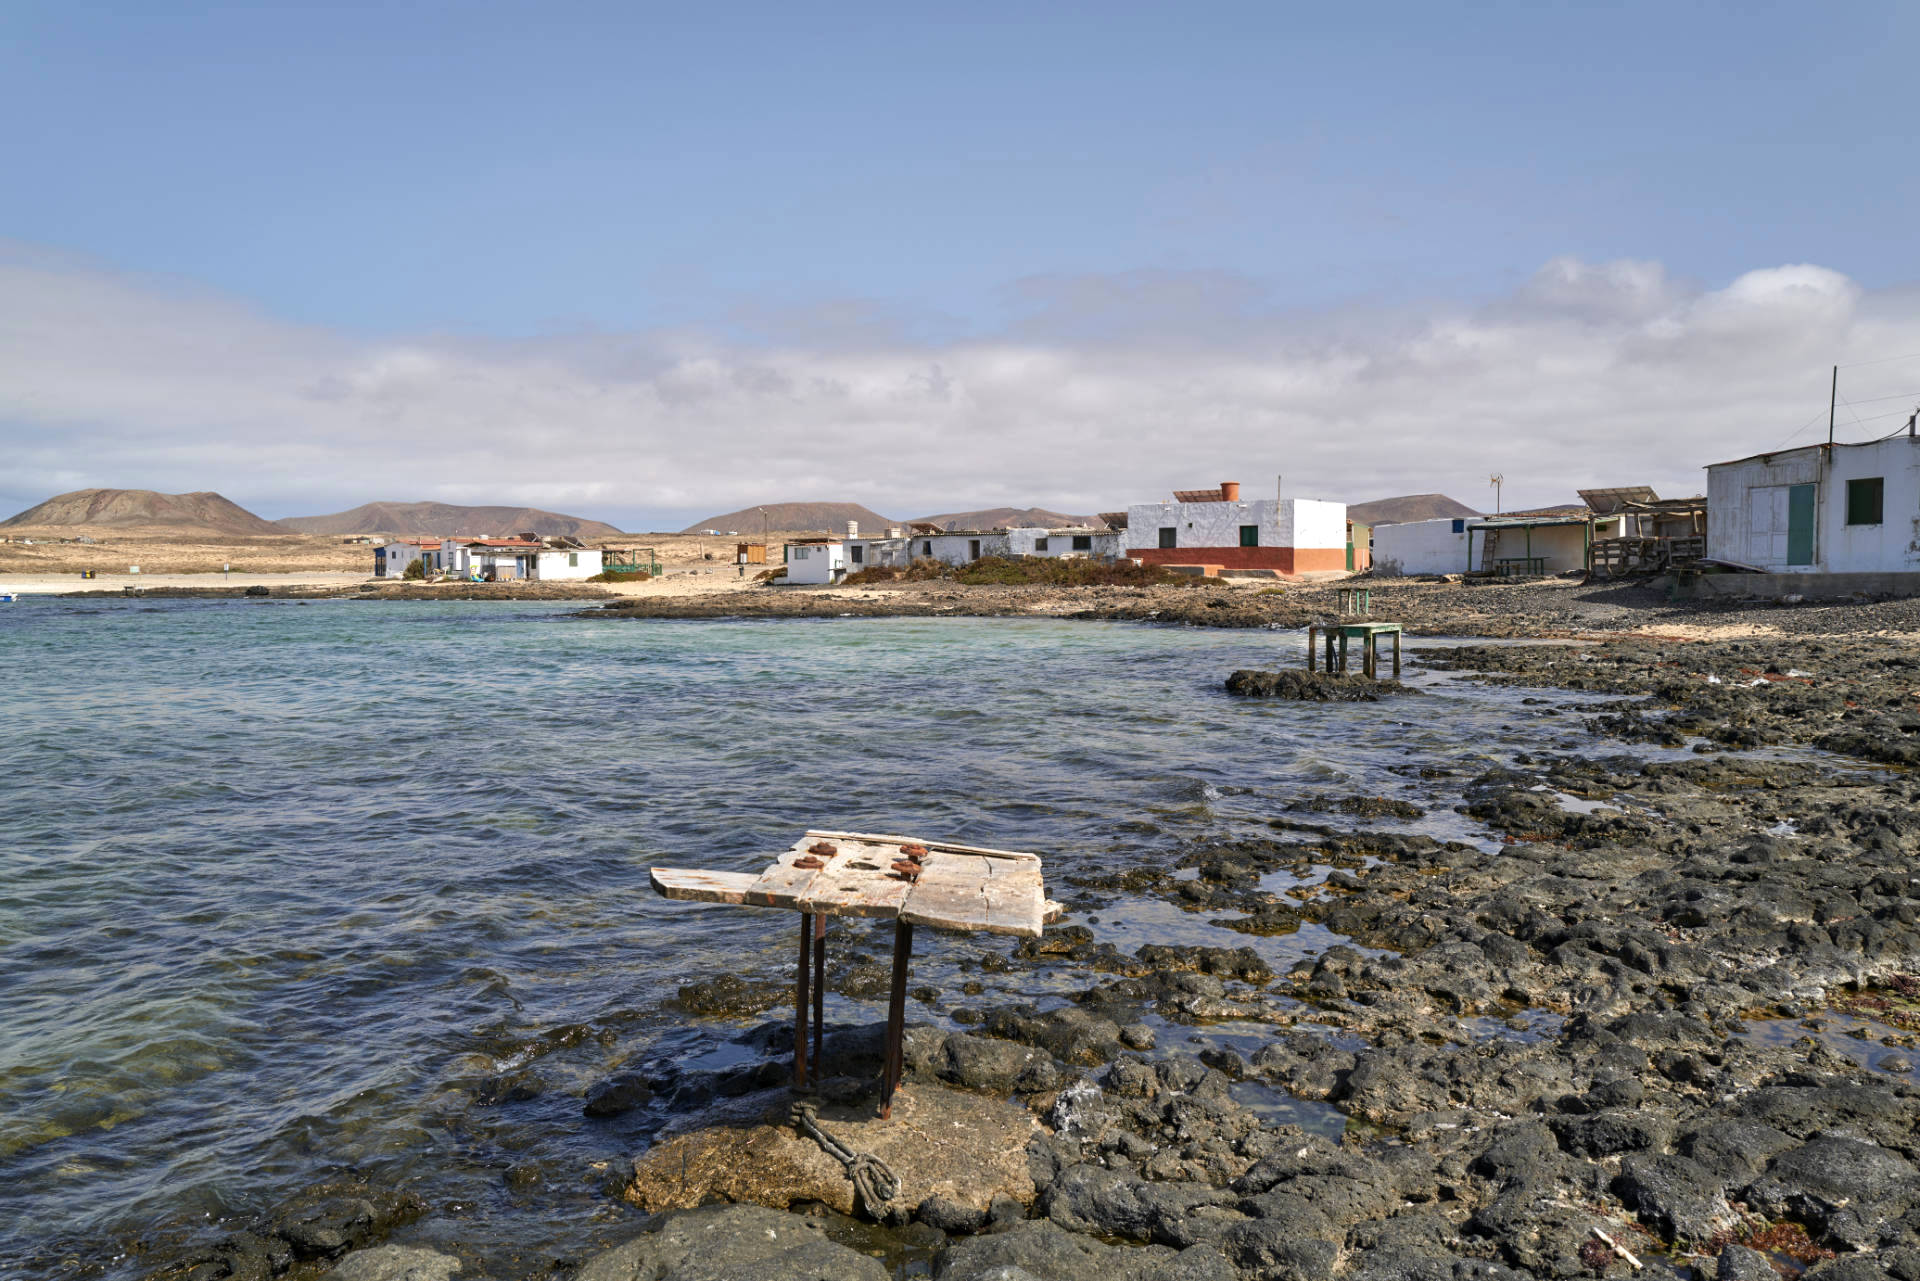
(819, 989)
(800, 1003)
(1832, 397)
(896, 1017)
(1396, 656)
(1313, 640)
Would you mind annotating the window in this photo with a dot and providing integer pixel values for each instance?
(926, 549)
(1168, 536)
(799, 553)
(1249, 535)
(973, 549)
(1039, 544)
(1459, 525)
(573, 560)
(1865, 499)
(856, 552)
(1083, 542)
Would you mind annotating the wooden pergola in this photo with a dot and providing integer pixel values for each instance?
(914, 882)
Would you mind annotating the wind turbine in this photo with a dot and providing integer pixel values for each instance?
(1495, 480)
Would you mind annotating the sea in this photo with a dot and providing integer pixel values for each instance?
(289, 888)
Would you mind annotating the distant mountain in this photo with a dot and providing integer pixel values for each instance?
(1407, 508)
(198, 513)
(1007, 518)
(828, 518)
(409, 519)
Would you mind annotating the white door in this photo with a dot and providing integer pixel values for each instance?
(1767, 526)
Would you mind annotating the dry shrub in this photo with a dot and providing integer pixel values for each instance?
(614, 576)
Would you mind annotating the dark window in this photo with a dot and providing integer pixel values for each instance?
(1039, 544)
(1459, 525)
(1249, 535)
(1083, 542)
(926, 549)
(973, 549)
(1864, 500)
(1167, 536)
(856, 552)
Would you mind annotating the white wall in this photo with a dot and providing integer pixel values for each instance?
(877, 551)
(1102, 544)
(1290, 522)
(958, 549)
(1420, 547)
(1746, 502)
(815, 563)
(561, 565)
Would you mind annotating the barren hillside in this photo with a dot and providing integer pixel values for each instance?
(410, 519)
(198, 513)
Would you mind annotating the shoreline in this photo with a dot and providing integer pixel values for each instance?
(1664, 1014)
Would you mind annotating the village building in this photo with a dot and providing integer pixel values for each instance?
(1086, 541)
(1218, 527)
(390, 560)
(1552, 540)
(1826, 509)
(957, 547)
(816, 561)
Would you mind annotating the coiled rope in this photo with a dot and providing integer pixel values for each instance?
(874, 1182)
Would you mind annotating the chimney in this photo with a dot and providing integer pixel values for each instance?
(893, 531)
(1229, 491)
(853, 529)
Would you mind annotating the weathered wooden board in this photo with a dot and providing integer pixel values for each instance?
(932, 846)
(702, 887)
(783, 884)
(858, 882)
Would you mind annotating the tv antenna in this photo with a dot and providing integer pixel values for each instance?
(1495, 480)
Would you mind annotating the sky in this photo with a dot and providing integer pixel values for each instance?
(649, 263)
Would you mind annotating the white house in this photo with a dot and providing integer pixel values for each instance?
(390, 560)
(958, 547)
(816, 560)
(1218, 527)
(1825, 509)
(566, 564)
(1421, 547)
(1080, 540)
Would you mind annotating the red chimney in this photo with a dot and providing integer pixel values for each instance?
(1229, 491)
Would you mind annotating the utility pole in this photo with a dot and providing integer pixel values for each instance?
(1832, 397)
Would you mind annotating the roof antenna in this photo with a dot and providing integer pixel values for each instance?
(1495, 480)
(1832, 396)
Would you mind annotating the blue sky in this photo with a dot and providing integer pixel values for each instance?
(612, 187)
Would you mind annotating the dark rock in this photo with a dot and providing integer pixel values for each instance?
(1281, 1249)
(1312, 687)
(618, 1094)
(950, 1216)
(394, 1263)
(1612, 1131)
(1675, 1196)
(331, 1219)
(1042, 1251)
(1843, 1187)
(729, 994)
(1117, 1203)
(732, 1243)
(982, 1063)
(1738, 1263)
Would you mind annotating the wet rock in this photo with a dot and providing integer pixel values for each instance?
(981, 1063)
(1312, 687)
(950, 1216)
(731, 995)
(1044, 1252)
(732, 1243)
(1613, 1131)
(1117, 1203)
(1734, 1151)
(328, 1220)
(617, 1094)
(1138, 1036)
(394, 1263)
(1295, 1246)
(963, 1147)
(1675, 1196)
(1844, 1187)
(1738, 1263)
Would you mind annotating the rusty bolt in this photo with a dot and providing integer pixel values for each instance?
(822, 848)
(915, 852)
(808, 862)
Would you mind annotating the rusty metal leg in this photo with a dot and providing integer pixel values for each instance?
(800, 1003)
(1343, 653)
(1313, 640)
(1396, 656)
(896, 1017)
(819, 991)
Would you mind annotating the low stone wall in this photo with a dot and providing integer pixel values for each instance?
(1810, 586)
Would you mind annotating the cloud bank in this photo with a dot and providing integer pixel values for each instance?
(1095, 392)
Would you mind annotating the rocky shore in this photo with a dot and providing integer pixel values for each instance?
(1663, 1022)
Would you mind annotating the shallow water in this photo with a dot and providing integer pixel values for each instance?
(287, 888)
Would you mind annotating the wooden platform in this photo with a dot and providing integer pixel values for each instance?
(962, 887)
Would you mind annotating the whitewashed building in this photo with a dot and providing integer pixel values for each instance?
(1218, 527)
(816, 561)
(1421, 547)
(1831, 509)
(959, 547)
(390, 560)
(1080, 540)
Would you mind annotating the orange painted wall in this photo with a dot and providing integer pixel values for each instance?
(1287, 560)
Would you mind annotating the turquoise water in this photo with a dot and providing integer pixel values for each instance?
(284, 886)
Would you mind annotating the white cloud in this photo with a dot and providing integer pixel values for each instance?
(1103, 391)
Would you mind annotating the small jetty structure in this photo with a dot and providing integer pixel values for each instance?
(910, 880)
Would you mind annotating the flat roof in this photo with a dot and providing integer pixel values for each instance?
(1801, 449)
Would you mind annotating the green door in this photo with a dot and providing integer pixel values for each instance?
(1800, 525)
